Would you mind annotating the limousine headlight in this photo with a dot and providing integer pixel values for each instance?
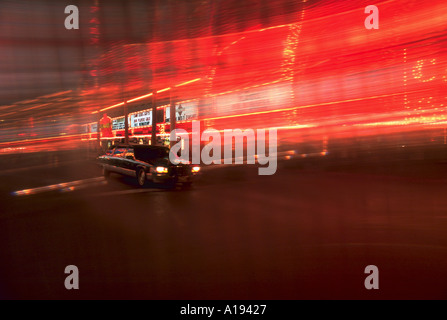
(161, 170)
(195, 169)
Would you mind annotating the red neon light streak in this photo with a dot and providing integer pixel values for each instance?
(140, 97)
(163, 90)
(188, 82)
(114, 106)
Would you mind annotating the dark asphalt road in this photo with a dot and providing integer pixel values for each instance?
(307, 232)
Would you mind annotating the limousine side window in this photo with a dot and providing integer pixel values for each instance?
(129, 154)
(119, 152)
(109, 152)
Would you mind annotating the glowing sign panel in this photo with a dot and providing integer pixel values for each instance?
(139, 119)
(118, 124)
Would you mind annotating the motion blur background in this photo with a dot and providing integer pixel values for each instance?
(361, 118)
(308, 68)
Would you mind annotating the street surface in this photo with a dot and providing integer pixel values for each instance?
(307, 232)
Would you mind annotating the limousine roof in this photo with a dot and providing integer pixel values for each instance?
(143, 146)
(146, 152)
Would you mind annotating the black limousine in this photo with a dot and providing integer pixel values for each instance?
(147, 163)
